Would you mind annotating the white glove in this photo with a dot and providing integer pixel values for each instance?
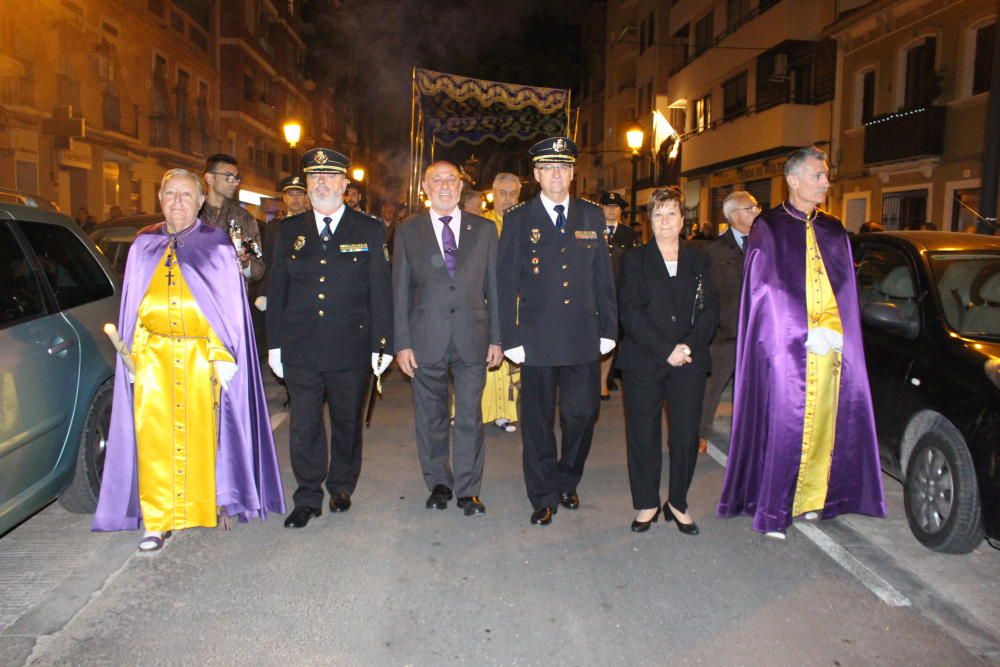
(260, 303)
(821, 340)
(131, 378)
(607, 345)
(225, 371)
(515, 354)
(386, 360)
(274, 361)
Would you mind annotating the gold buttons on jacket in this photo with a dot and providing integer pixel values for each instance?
(320, 313)
(565, 266)
(566, 301)
(321, 296)
(322, 261)
(565, 283)
(322, 279)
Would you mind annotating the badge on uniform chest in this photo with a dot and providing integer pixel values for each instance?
(586, 235)
(300, 242)
(536, 235)
(353, 247)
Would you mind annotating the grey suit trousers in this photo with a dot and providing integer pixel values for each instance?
(430, 405)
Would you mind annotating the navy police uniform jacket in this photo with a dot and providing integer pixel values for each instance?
(329, 309)
(556, 291)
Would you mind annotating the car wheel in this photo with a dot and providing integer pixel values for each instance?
(82, 494)
(941, 496)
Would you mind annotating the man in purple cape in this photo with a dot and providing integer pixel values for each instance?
(248, 482)
(777, 457)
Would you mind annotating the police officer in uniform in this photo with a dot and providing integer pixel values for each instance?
(620, 237)
(329, 325)
(558, 316)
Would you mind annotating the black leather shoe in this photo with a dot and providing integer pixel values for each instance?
(643, 526)
(541, 516)
(569, 500)
(299, 518)
(612, 385)
(686, 528)
(340, 502)
(472, 506)
(605, 397)
(438, 500)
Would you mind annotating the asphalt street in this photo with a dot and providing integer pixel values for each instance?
(392, 583)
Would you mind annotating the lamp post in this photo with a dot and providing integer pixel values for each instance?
(358, 174)
(293, 132)
(634, 136)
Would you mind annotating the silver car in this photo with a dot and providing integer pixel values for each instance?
(56, 365)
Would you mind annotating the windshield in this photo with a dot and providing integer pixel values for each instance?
(968, 286)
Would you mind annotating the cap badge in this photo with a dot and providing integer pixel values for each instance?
(559, 145)
(295, 181)
(320, 158)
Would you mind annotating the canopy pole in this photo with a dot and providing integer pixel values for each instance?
(413, 129)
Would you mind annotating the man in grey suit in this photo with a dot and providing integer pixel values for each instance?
(445, 296)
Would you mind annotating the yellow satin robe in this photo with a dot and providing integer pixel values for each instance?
(176, 398)
(500, 392)
(822, 387)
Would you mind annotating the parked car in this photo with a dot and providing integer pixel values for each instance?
(931, 321)
(56, 365)
(114, 237)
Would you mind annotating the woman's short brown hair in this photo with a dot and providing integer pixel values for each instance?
(663, 195)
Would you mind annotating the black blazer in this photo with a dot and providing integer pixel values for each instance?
(656, 309)
(726, 270)
(556, 291)
(623, 239)
(329, 309)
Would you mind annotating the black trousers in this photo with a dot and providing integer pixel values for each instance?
(644, 394)
(546, 472)
(723, 366)
(344, 392)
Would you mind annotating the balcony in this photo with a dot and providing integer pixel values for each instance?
(67, 92)
(17, 91)
(905, 135)
(112, 114)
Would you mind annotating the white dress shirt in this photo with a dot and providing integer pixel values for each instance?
(334, 220)
(455, 224)
(550, 206)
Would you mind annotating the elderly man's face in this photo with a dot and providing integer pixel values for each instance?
(505, 194)
(180, 202)
(743, 215)
(811, 182)
(326, 191)
(295, 201)
(443, 184)
(554, 178)
(388, 213)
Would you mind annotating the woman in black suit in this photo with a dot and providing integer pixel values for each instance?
(669, 310)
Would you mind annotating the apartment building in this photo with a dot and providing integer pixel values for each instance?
(910, 113)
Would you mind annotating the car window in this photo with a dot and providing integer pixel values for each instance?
(884, 276)
(20, 295)
(73, 273)
(968, 286)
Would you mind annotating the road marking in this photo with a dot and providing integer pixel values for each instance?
(278, 419)
(882, 589)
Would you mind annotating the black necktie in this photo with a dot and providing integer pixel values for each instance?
(325, 234)
(560, 218)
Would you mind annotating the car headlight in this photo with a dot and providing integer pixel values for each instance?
(992, 368)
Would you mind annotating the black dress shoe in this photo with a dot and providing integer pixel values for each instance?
(438, 500)
(472, 506)
(541, 516)
(605, 397)
(299, 518)
(643, 526)
(612, 385)
(569, 500)
(686, 528)
(340, 502)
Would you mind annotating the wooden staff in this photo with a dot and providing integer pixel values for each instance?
(112, 332)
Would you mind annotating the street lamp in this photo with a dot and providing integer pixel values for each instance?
(358, 174)
(634, 136)
(293, 132)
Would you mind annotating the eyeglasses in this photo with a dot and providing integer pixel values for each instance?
(755, 207)
(230, 178)
(550, 167)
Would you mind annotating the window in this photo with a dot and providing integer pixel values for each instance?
(982, 69)
(703, 113)
(650, 23)
(177, 21)
(248, 88)
(884, 277)
(20, 296)
(865, 97)
(680, 48)
(922, 85)
(904, 210)
(736, 10)
(704, 33)
(642, 37)
(649, 96)
(73, 274)
(734, 96)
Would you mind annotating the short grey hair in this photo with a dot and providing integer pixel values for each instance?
(506, 176)
(171, 174)
(733, 201)
(793, 165)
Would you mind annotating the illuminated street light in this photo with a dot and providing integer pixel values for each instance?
(358, 174)
(634, 136)
(293, 132)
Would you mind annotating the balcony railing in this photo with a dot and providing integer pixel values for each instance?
(787, 97)
(695, 51)
(67, 91)
(112, 115)
(905, 135)
(159, 131)
(17, 90)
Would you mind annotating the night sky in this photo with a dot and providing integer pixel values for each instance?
(517, 41)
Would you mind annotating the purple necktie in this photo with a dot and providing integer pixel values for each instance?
(449, 245)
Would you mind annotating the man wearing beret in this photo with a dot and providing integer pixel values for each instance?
(620, 237)
(558, 315)
(329, 325)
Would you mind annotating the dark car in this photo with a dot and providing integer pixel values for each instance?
(114, 237)
(931, 319)
(56, 365)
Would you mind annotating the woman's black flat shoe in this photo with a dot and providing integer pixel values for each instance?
(643, 526)
(686, 528)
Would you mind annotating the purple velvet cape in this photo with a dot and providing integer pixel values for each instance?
(248, 482)
(769, 390)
